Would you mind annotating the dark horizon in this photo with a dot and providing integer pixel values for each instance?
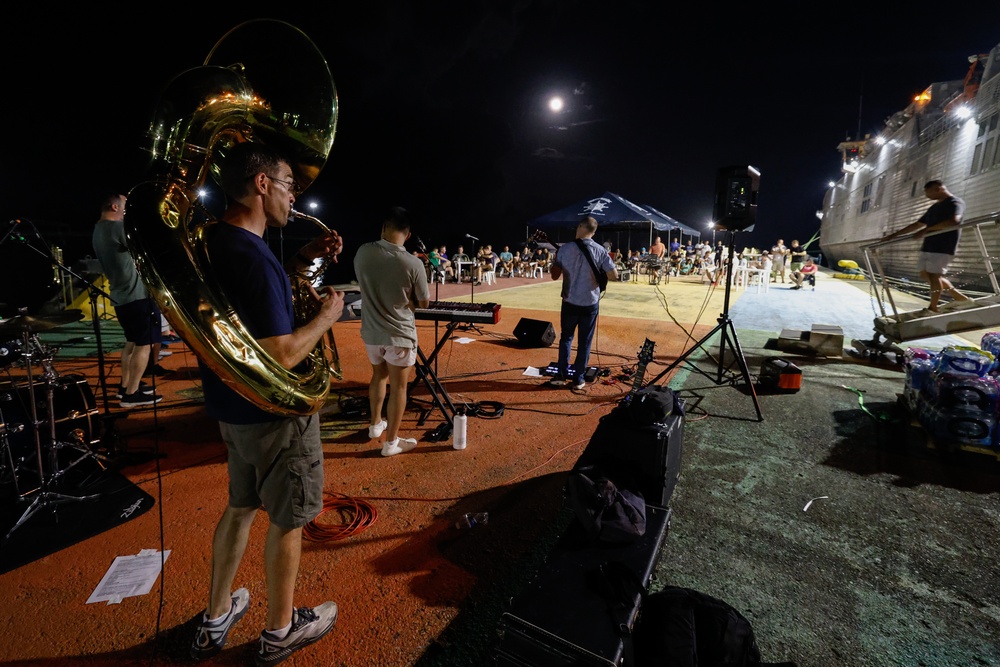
(443, 111)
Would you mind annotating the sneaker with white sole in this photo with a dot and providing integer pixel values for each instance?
(308, 627)
(143, 389)
(398, 446)
(138, 399)
(211, 635)
(580, 384)
(375, 430)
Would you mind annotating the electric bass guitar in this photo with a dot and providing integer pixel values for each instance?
(645, 356)
(602, 277)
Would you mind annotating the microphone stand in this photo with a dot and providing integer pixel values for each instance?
(475, 259)
(472, 283)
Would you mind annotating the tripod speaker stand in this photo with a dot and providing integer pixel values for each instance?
(728, 338)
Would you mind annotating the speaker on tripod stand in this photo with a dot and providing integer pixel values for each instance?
(736, 210)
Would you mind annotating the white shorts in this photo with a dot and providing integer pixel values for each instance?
(935, 263)
(392, 355)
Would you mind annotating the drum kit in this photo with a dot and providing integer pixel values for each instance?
(47, 420)
(49, 423)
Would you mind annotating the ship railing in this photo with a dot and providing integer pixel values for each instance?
(876, 272)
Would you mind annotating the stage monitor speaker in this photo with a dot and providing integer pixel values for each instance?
(534, 333)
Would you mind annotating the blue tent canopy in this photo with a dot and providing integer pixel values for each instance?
(613, 213)
(673, 225)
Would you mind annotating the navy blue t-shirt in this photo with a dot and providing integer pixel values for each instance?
(259, 290)
(945, 242)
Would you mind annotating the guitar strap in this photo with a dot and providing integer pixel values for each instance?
(590, 260)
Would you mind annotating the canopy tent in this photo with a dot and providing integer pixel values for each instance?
(613, 213)
(675, 225)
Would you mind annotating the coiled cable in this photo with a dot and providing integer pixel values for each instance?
(355, 516)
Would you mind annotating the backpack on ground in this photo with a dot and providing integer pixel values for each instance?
(681, 627)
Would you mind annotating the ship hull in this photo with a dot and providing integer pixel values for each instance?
(883, 191)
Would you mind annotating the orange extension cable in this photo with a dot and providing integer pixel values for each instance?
(355, 515)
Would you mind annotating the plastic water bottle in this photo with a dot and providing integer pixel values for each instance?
(470, 519)
(458, 438)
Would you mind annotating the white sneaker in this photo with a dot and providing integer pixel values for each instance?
(398, 446)
(375, 430)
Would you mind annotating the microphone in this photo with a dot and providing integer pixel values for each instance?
(470, 236)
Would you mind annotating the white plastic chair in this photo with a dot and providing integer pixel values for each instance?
(490, 277)
(760, 278)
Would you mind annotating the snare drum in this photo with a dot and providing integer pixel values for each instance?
(74, 414)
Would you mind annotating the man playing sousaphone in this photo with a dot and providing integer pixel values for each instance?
(275, 460)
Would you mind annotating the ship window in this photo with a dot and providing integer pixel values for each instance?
(976, 155)
(988, 153)
(993, 121)
(982, 130)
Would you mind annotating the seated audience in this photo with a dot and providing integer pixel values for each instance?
(806, 274)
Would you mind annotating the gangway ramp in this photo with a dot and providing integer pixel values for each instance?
(981, 311)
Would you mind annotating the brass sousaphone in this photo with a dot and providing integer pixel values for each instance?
(264, 81)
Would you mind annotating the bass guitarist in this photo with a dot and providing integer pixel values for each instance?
(585, 268)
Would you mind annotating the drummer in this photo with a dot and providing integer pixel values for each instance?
(656, 254)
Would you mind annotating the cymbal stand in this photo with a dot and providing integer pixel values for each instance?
(111, 440)
(44, 497)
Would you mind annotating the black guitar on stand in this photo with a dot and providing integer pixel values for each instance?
(602, 277)
(645, 356)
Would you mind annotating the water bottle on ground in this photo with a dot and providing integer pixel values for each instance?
(470, 519)
(458, 438)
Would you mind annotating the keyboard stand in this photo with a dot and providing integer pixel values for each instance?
(448, 329)
(438, 393)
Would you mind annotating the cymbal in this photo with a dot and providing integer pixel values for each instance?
(20, 324)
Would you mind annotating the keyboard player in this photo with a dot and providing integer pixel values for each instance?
(393, 285)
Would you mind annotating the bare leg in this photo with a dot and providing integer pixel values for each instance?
(228, 545)
(934, 280)
(132, 370)
(282, 551)
(377, 390)
(950, 289)
(394, 409)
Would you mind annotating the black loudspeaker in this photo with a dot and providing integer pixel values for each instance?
(640, 458)
(534, 333)
(736, 198)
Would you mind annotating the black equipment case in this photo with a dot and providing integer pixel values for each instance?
(641, 458)
(581, 608)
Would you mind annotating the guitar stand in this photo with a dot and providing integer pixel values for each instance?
(728, 331)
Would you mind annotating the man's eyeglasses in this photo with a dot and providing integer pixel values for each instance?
(291, 186)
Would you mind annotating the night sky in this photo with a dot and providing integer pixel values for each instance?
(443, 107)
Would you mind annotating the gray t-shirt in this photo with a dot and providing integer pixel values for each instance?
(580, 286)
(109, 244)
(392, 281)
